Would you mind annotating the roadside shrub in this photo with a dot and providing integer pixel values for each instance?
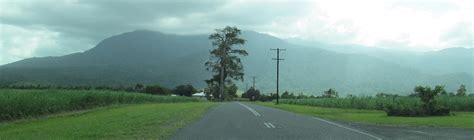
(429, 106)
(404, 110)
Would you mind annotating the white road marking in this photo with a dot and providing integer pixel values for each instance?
(268, 126)
(271, 125)
(421, 132)
(377, 138)
(251, 110)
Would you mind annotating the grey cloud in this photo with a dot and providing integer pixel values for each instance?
(83, 23)
(98, 19)
(459, 35)
(95, 18)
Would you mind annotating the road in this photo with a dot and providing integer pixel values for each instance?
(237, 120)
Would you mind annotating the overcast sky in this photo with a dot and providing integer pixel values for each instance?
(31, 28)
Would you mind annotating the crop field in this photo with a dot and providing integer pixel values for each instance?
(137, 121)
(19, 104)
(455, 103)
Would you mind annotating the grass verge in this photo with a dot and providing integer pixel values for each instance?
(144, 121)
(455, 103)
(459, 120)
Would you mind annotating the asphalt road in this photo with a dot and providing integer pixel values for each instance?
(236, 121)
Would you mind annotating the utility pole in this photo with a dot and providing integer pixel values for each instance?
(278, 67)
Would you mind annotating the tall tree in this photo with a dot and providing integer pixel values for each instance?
(461, 91)
(252, 94)
(224, 60)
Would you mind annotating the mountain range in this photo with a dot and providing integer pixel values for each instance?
(150, 57)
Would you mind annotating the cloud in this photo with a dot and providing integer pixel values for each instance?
(459, 35)
(18, 43)
(64, 26)
(409, 24)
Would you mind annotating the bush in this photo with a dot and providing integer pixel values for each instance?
(157, 90)
(287, 95)
(429, 106)
(184, 90)
(401, 110)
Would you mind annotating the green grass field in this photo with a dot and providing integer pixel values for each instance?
(19, 104)
(143, 121)
(459, 120)
(455, 103)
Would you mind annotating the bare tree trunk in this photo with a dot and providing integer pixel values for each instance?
(221, 92)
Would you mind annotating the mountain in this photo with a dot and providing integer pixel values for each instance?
(149, 57)
(445, 61)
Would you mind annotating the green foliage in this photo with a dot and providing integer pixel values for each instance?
(331, 93)
(394, 105)
(184, 90)
(139, 88)
(141, 121)
(230, 92)
(16, 104)
(224, 60)
(252, 94)
(455, 103)
(287, 95)
(212, 92)
(461, 91)
(460, 120)
(157, 90)
(429, 106)
(348, 102)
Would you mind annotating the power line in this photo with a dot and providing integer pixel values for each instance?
(278, 68)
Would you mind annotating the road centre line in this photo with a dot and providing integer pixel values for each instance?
(271, 125)
(251, 110)
(268, 126)
(377, 138)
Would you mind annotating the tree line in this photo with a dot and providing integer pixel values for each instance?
(154, 89)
